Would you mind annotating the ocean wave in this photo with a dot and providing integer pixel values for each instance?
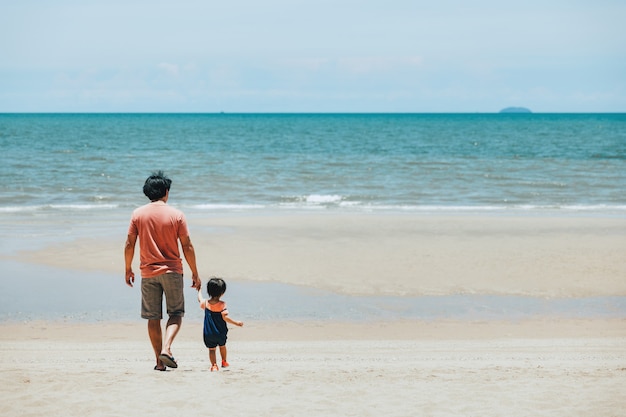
(505, 208)
(57, 207)
(322, 199)
(317, 202)
(235, 207)
(340, 203)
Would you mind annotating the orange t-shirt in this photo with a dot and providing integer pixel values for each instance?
(158, 227)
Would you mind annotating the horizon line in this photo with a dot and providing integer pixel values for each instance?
(305, 112)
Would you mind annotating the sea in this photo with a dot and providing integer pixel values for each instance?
(363, 162)
(92, 166)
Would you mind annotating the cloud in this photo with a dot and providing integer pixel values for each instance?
(377, 64)
(171, 69)
(318, 56)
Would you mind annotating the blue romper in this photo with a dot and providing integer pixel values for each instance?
(215, 329)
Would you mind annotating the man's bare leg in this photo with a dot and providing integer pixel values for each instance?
(171, 330)
(156, 338)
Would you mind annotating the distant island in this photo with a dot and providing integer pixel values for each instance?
(515, 110)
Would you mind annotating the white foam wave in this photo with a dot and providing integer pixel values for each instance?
(226, 206)
(82, 206)
(56, 207)
(323, 198)
(599, 208)
(330, 202)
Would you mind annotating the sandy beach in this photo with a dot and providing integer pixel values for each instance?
(570, 364)
(566, 368)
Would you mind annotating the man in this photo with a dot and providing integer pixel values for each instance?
(159, 228)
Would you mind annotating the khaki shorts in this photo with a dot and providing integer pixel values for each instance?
(152, 290)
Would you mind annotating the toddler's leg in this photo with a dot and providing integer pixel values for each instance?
(213, 359)
(223, 355)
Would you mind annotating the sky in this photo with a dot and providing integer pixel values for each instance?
(312, 56)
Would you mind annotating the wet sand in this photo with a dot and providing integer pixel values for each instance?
(406, 255)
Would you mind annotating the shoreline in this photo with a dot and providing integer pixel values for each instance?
(334, 267)
(379, 254)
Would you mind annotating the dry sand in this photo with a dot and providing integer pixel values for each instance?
(558, 368)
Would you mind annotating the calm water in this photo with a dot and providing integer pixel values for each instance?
(536, 162)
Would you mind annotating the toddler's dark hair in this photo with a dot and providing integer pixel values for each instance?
(216, 287)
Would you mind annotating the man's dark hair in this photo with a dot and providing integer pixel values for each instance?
(216, 287)
(156, 186)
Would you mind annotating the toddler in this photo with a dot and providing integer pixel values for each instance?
(215, 319)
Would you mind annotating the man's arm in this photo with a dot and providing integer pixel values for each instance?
(190, 257)
(129, 253)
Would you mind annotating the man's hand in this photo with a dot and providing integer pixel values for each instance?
(195, 282)
(130, 277)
